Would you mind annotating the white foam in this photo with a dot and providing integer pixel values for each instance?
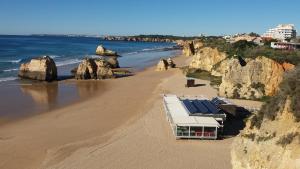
(54, 56)
(10, 70)
(4, 79)
(11, 61)
(68, 62)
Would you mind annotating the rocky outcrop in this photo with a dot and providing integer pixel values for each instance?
(271, 137)
(94, 69)
(105, 52)
(259, 77)
(164, 64)
(206, 58)
(42, 68)
(188, 48)
(104, 69)
(171, 63)
(87, 69)
(113, 61)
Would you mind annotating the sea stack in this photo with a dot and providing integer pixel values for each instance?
(101, 50)
(94, 69)
(41, 68)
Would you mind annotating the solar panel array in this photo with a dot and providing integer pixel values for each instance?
(200, 106)
(218, 101)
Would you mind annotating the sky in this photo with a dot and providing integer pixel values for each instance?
(133, 17)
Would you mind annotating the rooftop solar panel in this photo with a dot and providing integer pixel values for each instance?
(201, 108)
(210, 106)
(190, 106)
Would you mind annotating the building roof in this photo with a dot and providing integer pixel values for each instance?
(180, 114)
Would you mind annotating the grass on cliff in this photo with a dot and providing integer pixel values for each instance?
(246, 49)
(289, 88)
(202, 74)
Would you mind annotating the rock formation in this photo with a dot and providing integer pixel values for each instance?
(171, 64)
(164, 64)
(260, 77)
(42, 68)
(94, 69)
(271, 137)
(105, 52)
(113, 61)
(206, 58)
(87, 69)
(188, 48)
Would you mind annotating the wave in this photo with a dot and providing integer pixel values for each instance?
(4, 79)
(157, 49)
(68, 62)
(54, 56)
(10, 70)
(11, 61)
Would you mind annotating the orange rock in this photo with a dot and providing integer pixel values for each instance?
(288, 66)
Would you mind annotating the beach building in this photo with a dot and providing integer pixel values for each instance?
(282, 32)
(193, 117)
(285, 45)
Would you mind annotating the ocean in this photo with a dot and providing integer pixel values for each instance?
(68, 51)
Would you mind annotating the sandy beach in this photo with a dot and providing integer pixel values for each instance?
(123, 126)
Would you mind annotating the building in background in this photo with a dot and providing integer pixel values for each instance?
(282, 32)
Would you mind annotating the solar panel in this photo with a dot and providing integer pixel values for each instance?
(201, 108)
(210, 107)
(189, 106)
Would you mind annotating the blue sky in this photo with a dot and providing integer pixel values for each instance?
(128, 17)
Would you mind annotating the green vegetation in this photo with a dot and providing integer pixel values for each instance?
(249, 136)
(202, 74)
(247, 49)
(265, 138)
(289, 88)
(287, 139)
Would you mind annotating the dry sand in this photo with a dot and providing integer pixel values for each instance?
(123, 127)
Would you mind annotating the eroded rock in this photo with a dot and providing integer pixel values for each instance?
(206, 58)
(42, 68)
(101, 50)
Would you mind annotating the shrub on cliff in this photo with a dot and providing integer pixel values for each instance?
(290, 87)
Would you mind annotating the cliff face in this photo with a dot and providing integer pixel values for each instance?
(274, 143)
(259, 77)
(206, 58)
(249, 78)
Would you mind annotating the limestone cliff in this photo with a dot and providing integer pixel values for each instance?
(271, 137)
(188, 48)
(206, 58)
(257, 78)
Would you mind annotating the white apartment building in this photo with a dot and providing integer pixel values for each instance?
(281, 32)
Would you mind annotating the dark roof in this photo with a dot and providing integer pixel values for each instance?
(201, 106)
(217, 101)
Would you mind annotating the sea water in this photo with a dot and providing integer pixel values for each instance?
(68, 52)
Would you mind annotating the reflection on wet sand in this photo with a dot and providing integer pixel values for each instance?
(35, 97)
(87, 89)
(42, 93)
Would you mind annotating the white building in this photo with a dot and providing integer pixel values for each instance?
(189, 123)
(281, 32)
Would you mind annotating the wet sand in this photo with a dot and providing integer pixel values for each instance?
(123, 127)
(25, 99)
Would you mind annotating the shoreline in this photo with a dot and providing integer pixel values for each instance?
(65, 87)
